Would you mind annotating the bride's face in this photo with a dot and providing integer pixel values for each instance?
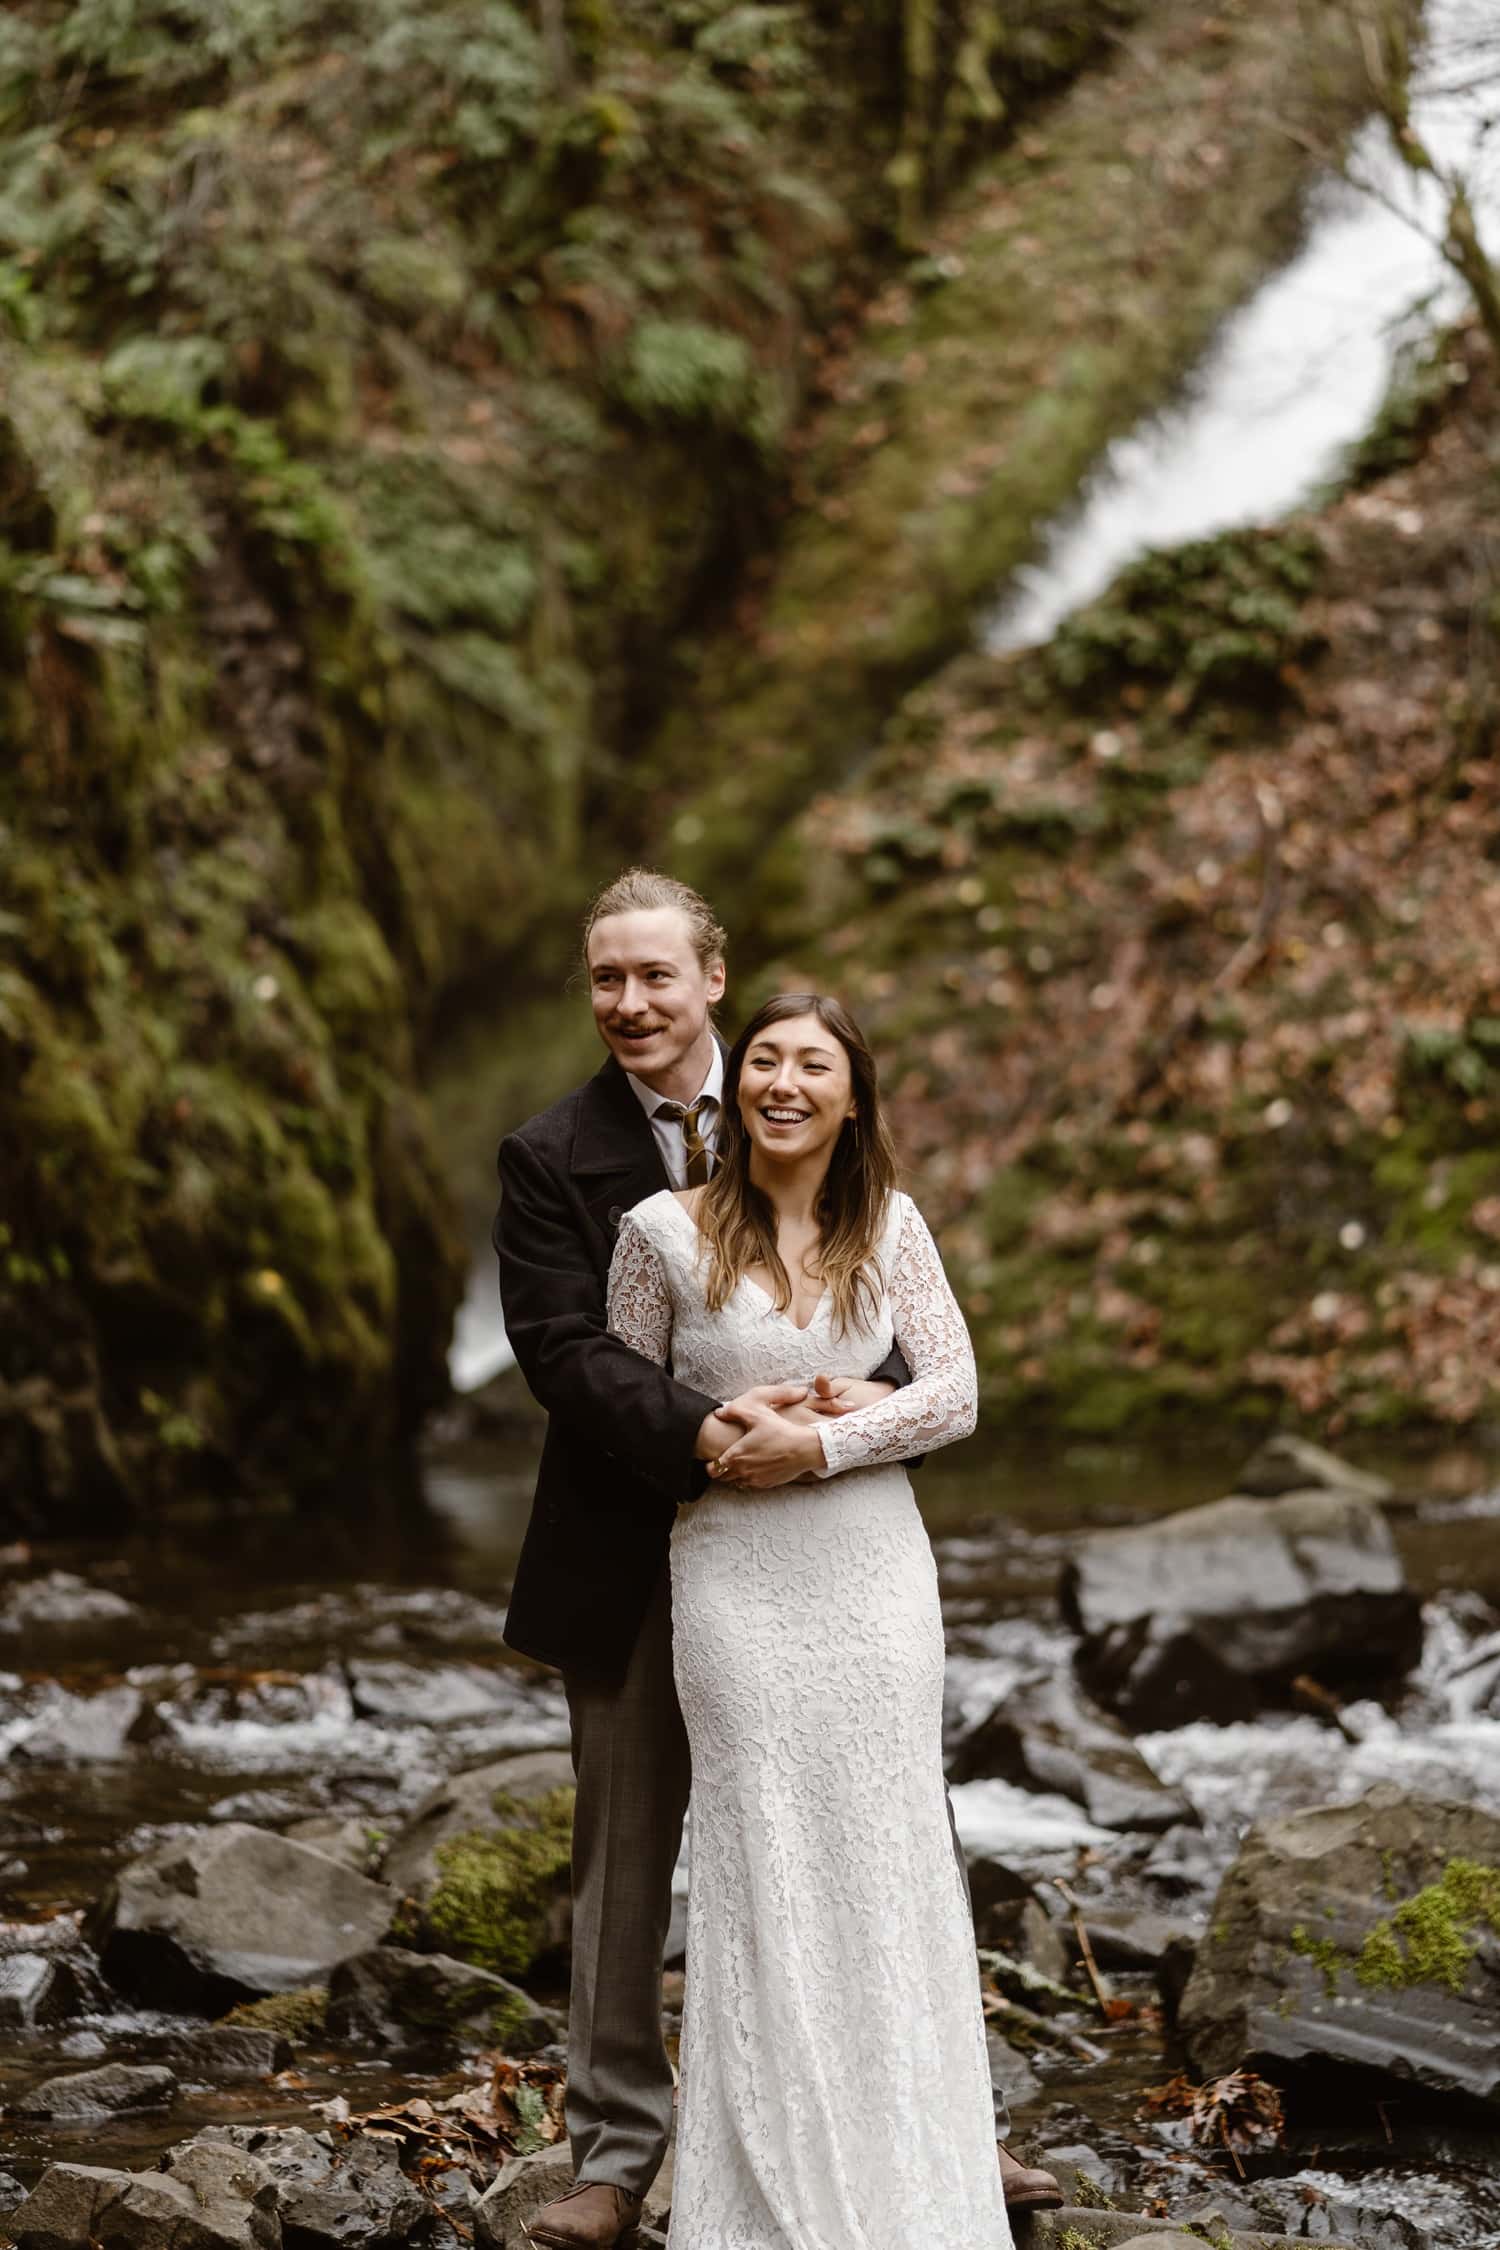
(796, 1091)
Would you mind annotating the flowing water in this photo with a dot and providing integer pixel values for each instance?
(341, 1665)
(1296, 375)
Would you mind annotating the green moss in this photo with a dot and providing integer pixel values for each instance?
(1074, 2239)
(1432, 1936)
(497, 1887)
(1090, 2196)
(1329, 1959)
(299, 2016)
(509, 2018)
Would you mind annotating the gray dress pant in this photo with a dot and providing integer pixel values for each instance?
(630, 1754)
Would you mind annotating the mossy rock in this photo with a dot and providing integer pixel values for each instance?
(298, 2016)
(1361, 1938)
(484, 1862)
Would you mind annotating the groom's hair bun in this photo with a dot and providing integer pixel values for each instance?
(644, 890)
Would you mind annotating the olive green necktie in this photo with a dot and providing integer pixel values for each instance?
(699, 1155)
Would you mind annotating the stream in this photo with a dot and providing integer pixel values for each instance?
(340, 1665)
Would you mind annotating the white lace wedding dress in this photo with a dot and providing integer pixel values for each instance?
(835, 2087)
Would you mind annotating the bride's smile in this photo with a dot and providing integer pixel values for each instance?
(796, 1091)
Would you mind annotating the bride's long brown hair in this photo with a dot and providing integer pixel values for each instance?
(737, 1219)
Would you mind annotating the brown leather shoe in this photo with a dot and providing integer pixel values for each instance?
(592, 2216)
(1026, 2188)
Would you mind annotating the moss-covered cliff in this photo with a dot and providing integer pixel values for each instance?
(1178, 938)
(382, 388)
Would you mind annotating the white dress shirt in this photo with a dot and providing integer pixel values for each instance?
(668, 1130)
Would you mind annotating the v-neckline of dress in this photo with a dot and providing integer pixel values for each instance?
(748, 1281)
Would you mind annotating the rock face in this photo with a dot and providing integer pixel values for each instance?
(231, 1914)
(390, 1997)
(1193, 1616)
(1359, 1937)
(113, 2088)
(1045, 1736)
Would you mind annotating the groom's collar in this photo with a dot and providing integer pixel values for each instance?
(613, 1133)
(711, 1090)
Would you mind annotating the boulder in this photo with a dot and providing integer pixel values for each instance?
(462, 1804)
(522, 2186)
(391, 1998)
(11, 2192)
(353, 2196)
(1286, 1463)
(1361, 1938)
(223, 2202)
(107, 2091)
(1043, 1735)
(485, 1861)
(1194, 1616)
(230, 1914)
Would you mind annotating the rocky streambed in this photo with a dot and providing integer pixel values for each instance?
(283, 1840)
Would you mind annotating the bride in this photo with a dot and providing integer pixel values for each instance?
(835, 2086)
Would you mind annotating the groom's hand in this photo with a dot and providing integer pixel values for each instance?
(730, 1422)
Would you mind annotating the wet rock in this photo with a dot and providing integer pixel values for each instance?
(442, 1695)
(1361, 1937)
(109, 2091)
(1043, 1735)
(1136, 1941)
(1009, 1915)
(1083, 2227)
(60, 1598)
(465, 1803)
(84, 1730)
(390, 1997)
(223, 2053)
(35, 1988)
(231, 1914)
(521, 2187)
(1310, 2214)
(1193, 1616)
(11, 2191)
(1011, 2075)
(1286, 1463)
(351, 2197)
(198, 2204)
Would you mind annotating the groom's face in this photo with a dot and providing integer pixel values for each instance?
(650, 992)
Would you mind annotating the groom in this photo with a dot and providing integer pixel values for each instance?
(625, 1444)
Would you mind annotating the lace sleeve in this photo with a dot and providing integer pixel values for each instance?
(640, 1302)
(941, 1401)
